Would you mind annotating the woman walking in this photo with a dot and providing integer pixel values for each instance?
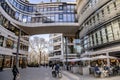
(15, 72)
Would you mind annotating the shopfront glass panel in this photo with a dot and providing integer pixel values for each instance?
(7, 61)
(1, 59)
(9, 43)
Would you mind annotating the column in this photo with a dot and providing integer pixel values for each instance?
(66, 39)
(108, 59)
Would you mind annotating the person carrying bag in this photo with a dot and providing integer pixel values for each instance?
(15, 73)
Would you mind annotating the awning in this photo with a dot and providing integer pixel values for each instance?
(103, 57)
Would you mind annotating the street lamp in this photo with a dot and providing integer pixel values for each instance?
(18, 47)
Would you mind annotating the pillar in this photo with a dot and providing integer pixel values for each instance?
(108, 59)
(66, 52)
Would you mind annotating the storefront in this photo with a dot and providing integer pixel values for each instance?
(1, 60)
(7, 61)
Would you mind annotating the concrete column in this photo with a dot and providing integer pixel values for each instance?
(108, 59)
(4, 42)
(66, 52)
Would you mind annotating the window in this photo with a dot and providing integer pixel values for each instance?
(108, 9)
(91, 42)
(1, 40)
(60, 7)
(93, 19)
(60, 16)
(95, 39)
(9, 43)
(116, 29)
(17, 15)
(109, 32)
(115, 6)
(104, 35)
(1, 60)
(1, 19)
(99, 37)
(98, 17)
(102, 13)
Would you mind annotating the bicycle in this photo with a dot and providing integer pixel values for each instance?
(57, 74)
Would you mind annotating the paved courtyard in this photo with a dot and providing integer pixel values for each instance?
(45, 74)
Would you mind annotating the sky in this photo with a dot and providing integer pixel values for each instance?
(38, 1)
(45, 36)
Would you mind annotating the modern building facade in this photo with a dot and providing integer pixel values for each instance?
(9, 33)
(59, 46)
(56, 43)
(19, 16)
(97, 25)
(99, 29)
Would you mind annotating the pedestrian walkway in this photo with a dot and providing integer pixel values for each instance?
(87, 77)
(45, 74)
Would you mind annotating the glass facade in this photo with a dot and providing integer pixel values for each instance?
(52, 13)
(108, 33)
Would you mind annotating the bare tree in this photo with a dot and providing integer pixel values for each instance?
(38, 45)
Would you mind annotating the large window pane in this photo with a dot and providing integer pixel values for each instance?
(116, 29)
(109, 32)
(104, 35)
(99, 37)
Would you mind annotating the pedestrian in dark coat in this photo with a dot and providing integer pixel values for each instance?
(15, 72)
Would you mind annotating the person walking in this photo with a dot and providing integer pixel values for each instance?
(15, 72)
(57, 68)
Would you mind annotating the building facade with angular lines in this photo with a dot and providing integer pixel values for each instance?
(17, 17)
(99, 27)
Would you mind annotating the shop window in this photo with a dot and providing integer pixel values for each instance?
(1, 60)
(7, 63)
(5, 23)
(9, 43)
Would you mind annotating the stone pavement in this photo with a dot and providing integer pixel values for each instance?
(45, 74)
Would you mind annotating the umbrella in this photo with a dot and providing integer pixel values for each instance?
(85, 59)
(103, 57)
